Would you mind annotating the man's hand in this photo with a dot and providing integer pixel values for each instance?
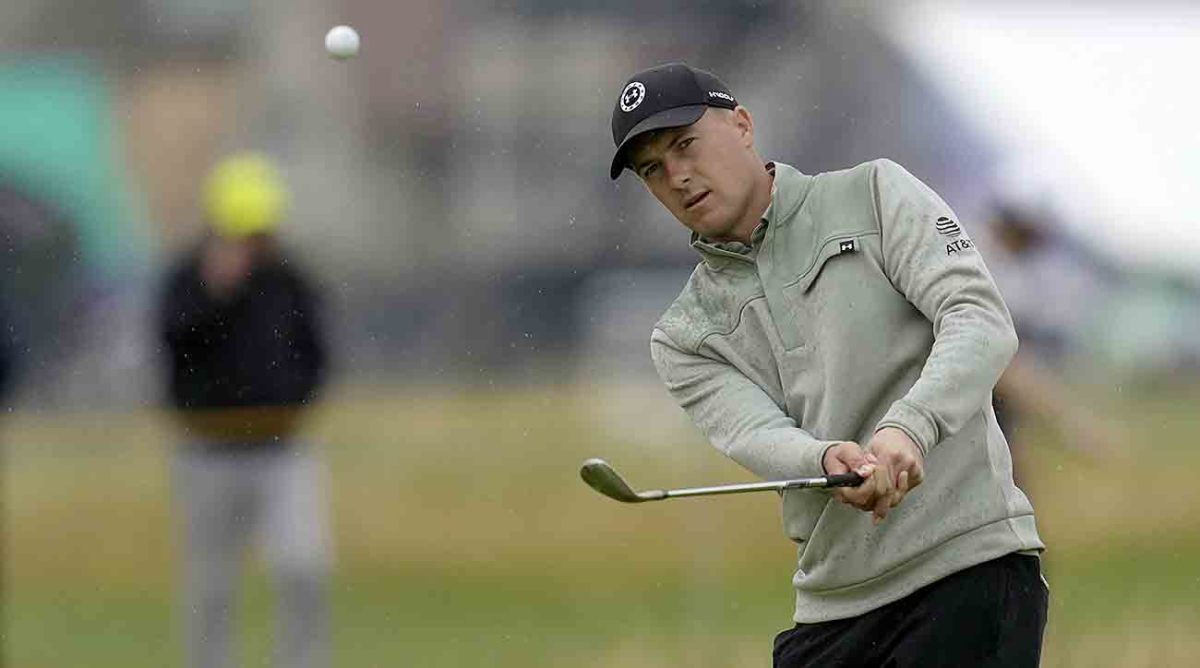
(849, 456)
(900, 458)
(891, 464)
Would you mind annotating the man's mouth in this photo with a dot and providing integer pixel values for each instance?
(695, 199)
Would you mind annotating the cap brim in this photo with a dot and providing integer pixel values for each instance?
(671, 118)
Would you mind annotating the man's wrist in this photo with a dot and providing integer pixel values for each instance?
(825, 453)
(908, 432)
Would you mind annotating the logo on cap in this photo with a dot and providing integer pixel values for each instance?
(632, 96)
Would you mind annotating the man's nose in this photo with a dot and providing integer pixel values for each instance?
(678, 175)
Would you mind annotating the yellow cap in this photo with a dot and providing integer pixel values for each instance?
(244, 195)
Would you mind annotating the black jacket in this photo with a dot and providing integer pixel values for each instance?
(260, 349)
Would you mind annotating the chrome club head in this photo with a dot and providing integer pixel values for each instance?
(602, 478)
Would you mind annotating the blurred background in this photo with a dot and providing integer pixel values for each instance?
(489, 294)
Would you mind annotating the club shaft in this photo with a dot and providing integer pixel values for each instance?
(776, 485)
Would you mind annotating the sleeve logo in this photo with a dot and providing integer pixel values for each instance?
(950, 229)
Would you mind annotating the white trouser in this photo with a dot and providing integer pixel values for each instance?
(276, 496)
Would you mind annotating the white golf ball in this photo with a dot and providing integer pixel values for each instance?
(342, 42)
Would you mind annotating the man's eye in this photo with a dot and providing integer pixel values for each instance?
(686, 142)
(647, 171)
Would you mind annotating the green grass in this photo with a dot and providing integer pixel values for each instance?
(465, 538)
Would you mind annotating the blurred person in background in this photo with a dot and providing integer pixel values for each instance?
(246, 359)
(1051, 290)
(6, 356)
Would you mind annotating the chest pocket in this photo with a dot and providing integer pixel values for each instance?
(822, 300)
(831, 252)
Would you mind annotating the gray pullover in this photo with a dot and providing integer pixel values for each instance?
(860, 304)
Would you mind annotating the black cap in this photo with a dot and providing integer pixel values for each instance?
(665, 96)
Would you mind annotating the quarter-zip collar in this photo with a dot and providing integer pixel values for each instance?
(788, 190)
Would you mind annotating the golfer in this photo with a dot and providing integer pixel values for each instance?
(841, 322)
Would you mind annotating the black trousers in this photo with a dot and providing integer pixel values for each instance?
(992, 614)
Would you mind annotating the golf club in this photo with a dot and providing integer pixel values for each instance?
(600, 476)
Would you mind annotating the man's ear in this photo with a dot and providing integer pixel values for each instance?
(745, 125)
